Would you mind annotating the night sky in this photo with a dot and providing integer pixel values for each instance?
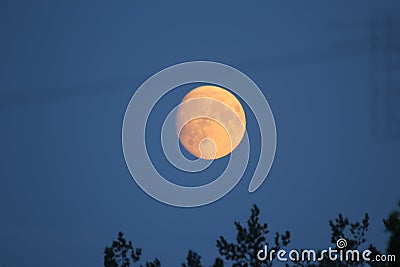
(69, 69)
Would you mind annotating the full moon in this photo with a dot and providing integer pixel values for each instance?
(210, 122)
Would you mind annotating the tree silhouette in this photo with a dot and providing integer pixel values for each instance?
(121, 253)
(355, 235)
(218, 263)
(392, 224)
(192, 260)
(252, 238)
(249, 240)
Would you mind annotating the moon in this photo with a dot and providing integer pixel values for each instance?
(210, 122)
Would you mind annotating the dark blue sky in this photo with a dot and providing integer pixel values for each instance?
(68, 71)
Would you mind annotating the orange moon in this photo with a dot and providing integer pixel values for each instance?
(210, 122)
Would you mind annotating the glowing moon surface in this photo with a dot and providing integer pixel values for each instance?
(210, 122)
